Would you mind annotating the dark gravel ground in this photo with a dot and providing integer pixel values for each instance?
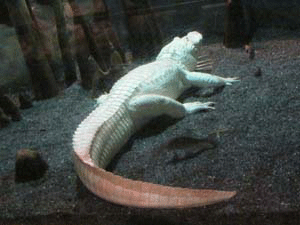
(255, 125)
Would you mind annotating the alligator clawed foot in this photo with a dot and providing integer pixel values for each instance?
(230, 80)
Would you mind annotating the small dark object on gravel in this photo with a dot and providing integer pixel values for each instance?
(10, 108)
(250, 50)
(258, 72)
(25, 101)
(29, 165)
(4, 119)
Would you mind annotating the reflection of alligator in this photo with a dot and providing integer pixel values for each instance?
(145, 92)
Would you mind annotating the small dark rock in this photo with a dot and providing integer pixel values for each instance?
(250, 51)
(29, 165)
(258, 72)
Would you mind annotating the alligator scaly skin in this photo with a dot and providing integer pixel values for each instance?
(145, 92)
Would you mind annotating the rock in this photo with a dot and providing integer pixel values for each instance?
(258, 72)
(10, 108)
(250, 51)
(29, 165)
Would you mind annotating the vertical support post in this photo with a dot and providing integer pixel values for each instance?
(43, 81)
(232, 23)
(63, 40)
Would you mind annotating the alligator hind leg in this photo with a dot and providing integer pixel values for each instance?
(149, 106)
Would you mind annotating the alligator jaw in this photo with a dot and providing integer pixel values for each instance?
(128, 192)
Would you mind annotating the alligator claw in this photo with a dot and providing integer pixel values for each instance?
(209, 105)
(230, 80)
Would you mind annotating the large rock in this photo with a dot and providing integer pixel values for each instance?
(29, 165)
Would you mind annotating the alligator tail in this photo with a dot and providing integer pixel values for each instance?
(123, 191)
(92, 153)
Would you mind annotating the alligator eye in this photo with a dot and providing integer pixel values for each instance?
(195, 50)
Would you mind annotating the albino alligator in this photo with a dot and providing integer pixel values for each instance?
(145, 92)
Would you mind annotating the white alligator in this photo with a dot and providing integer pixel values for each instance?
(147, 91)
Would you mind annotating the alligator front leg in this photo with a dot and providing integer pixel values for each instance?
(199, 79)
